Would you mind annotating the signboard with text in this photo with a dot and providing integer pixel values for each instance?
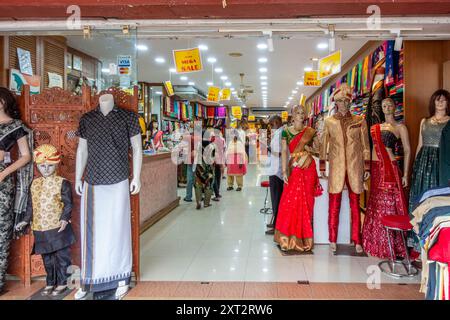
(188, 60)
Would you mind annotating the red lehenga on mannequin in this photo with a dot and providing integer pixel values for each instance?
(294, 226)
(386, 198)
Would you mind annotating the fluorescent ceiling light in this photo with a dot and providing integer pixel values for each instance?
(264, 83)
(172, 70)
(262, 70)
(262, 60)
(212, 60)
(105, 70)
(294, 91)
(158, 93)
(300, 83)
(322, 45)
(290, 98)
(264, 88)
(315, 59)
(262, 46)
(209, 83)
(218, 70)
(160, 60)
(141, 47)
(203, 47)
(263, 77)
(228, 84)
(307, 69)
(224, 77)
(183, 78)
(191, 83)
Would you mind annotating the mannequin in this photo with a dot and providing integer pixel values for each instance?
(49, 212)
(345, 145)
(154, 137)
(294, 225)
(387, 196)
(425, 173)
(107, 174)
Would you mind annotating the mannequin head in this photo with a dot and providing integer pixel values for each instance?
(153, 126)
(388, 106)
(275, 122)
(106, 99)
(342, 97)
(8, 103)
(440, 103)
(47, 159)
(298, 115)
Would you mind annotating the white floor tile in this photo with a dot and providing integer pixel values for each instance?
(216, 269)
(167, 268)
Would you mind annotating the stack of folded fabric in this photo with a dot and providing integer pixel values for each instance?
(431, 222)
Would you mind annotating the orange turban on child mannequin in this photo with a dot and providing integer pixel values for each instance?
(46, 153)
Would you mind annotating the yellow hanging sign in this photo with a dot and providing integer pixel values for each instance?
(188, 60)
(302, 100)
(225, 94)
(169, 88)
(311, 79)
(236, 112)
(330, 64)
(251, 118)
(213, 94)
(284, 116)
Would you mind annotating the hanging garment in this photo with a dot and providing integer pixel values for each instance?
(444, 156)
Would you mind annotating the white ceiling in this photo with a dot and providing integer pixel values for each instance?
(284, 66)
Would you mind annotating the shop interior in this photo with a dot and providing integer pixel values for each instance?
(265, 74)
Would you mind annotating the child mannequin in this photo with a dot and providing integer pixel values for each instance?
(49, 211)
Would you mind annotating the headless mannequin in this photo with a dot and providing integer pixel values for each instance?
(106, 102)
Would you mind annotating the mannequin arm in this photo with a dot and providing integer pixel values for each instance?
(284, 160)
(136, 144)
(407, 154)
(324, 149)
(82, 155)
(24, 158)
(420, 143)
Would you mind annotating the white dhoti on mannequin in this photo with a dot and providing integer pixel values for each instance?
(106, 247)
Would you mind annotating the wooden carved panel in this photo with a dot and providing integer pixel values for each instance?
(52, 97)
(56, 116)
(45, 134)
(37, 265)
(121, 98)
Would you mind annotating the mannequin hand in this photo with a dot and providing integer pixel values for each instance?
(2, 176)
(135, 186)
(285, 178)
(63, 224)
(405, 182)
(366, 175)
(79, 187)
(21, 225)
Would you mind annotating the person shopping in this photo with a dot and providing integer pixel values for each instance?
(236, 162)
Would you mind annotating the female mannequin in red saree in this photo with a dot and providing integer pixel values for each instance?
(294, 226)
(387, 196)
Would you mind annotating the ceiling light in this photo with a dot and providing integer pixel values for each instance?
(244, 106)
(232, 89)
(262, 70)
(264, 83)
(300, 83)
(263, 77)
(209, 83)
(212, 60)
(203, 47)
(262, 46)
(315, 59)
(191, 83)
(294, 91)
(290, 98)
(218, 70)
(322, 45)
(224, 77)
(105, 70)
(183, 78)
(141, 47)
(262, 60)
(307, 69)
(160, 60)
(263, 88)
(172, 70)
(228, 84)
(158, 93)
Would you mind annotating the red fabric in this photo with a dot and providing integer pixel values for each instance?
(441, 249)
(396, 221)
(236, 164)
(296, 208)
(334, 210)
(386, 199)
(265, 184)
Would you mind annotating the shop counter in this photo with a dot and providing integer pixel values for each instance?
(158, 195)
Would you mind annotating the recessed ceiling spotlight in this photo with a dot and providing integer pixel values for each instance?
(264, 83)
(141, 47)
(158, 93)
(262, 46)
(322, 45)
(232, 89)
(228, 84)
(203, 47)
(160, 60)
(191, 83)
(290, 98)
(224, 77)
(262, 70)
(315, 59)
(307, 69)
(183, 78)
(105, 70)
(209, 83)
(263, 77)
(294, 91)
(300, 83)
(262, 60)
(172, 70)
(212, 60)
(218, 70)
(263, 88)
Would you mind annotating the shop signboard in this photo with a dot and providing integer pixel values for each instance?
(124, 65)
(169, 88)
(311, 79)
(225, 94)
(284, 116)
(187, 60)
(251, 118)
(330, 64)
(213, 94)
(236, 112)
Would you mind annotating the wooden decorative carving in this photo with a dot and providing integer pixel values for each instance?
(55, 97)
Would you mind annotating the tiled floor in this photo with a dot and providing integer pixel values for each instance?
(226, 242)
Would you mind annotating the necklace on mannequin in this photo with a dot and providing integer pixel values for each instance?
(440, 120)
